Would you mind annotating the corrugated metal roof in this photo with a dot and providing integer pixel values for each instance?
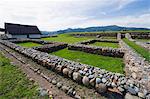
(18, 29)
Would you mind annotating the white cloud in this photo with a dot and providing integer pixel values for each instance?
(133, 21)
(61, 14)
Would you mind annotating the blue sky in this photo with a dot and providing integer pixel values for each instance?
(53, 15)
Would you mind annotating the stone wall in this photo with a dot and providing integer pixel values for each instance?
(51, 47)
(97, 78)
(145, 45)
(140, 35)
(48, 46)
(97, 50)
(137, 68)
(97, 40)
(95, 34)
(31, 40)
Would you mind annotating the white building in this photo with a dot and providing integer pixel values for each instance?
(21, 31)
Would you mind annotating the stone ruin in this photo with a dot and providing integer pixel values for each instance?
(51, 47)
(98, 35)
(31, 40)
(97, 40)
(47, 46)
(145, 45)
(106, 51)
(140, 35)
(136, 81)
(87, 75)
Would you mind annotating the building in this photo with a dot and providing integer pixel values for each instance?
(21, 31)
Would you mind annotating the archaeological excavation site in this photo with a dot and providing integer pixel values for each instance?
(91, 65)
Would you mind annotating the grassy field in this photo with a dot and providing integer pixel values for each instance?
(66, 38)
(29, 44)
(106, 44)
(13, 83)
(109, 63)
(145, 53)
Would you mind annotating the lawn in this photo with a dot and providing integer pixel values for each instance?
(109, 63)
(29, 44)
(106, 44)
(13, 83)
(67, 38)
(144, 52)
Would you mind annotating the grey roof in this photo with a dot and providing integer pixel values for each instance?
(18, 29)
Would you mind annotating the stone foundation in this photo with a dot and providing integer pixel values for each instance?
(97, 40)
(97, 78)
(97, 50)
(137, 68)
(95, 34)
(51, 47)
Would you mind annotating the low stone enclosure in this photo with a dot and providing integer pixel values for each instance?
(139, 35)
(146, 45)
(47, 46)
(113, 52)
(136, 81)
(97, 40)
(95, 34)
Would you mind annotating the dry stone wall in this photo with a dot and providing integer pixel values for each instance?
(95, 77)
(97, 40)
(137, 68)
(145, 45)
(140, 35)
(97, 50)
(47, 45)
(95, 34)
(51, 47)
(31, 40)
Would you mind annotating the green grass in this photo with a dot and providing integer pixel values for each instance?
(106, 44)
(29, 44)
(13, 83)
(142, 51)
(109, 63)
(66, 38)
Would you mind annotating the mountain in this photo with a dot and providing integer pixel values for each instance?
(98, 29)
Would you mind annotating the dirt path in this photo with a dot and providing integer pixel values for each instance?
(58, 94)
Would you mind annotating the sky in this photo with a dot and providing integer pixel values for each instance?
(52, 15)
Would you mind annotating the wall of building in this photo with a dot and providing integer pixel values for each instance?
(34, 36)
(24, 36)
(19, 36)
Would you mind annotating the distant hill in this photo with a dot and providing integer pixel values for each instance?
(98, 29)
